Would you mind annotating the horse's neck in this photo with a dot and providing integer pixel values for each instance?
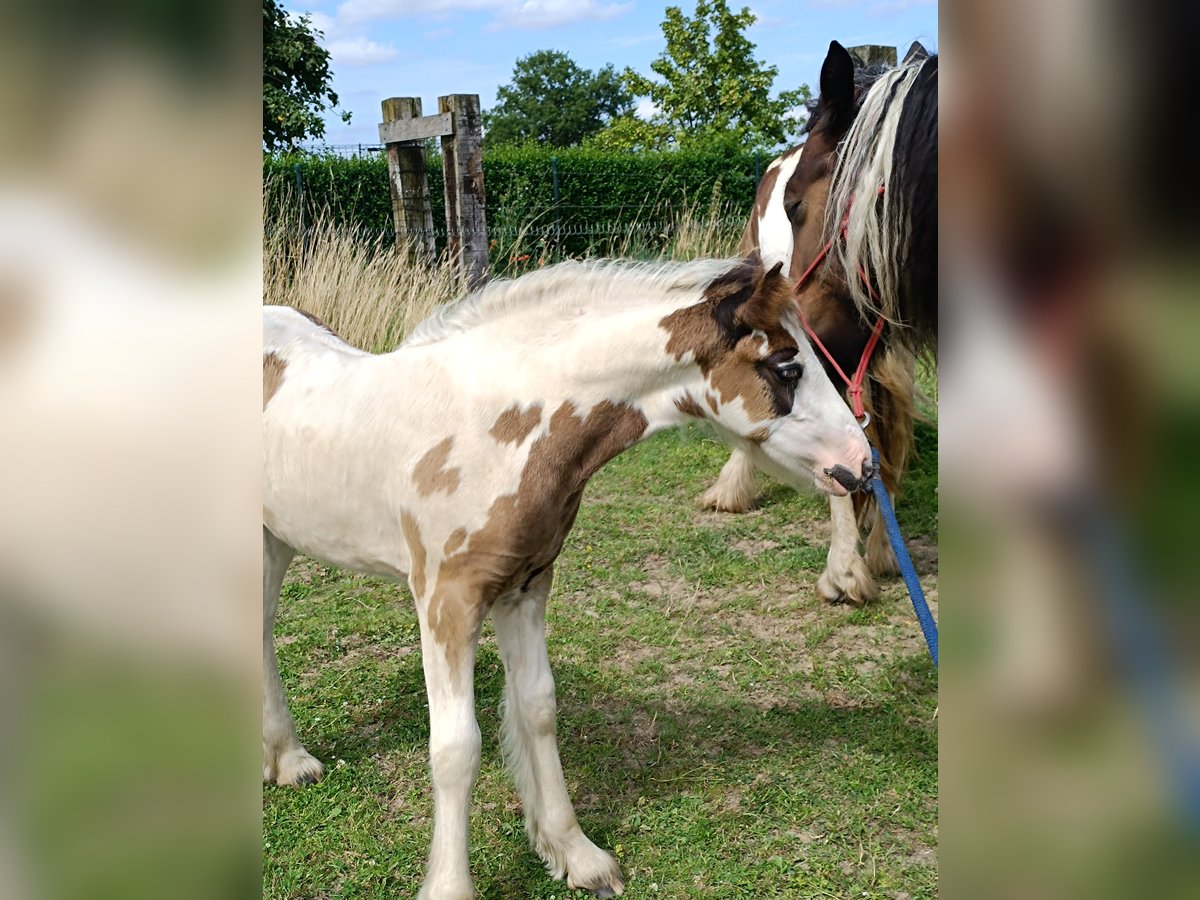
(617, 358)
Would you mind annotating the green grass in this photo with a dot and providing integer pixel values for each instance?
(723, 732)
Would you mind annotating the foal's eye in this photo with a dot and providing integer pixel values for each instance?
(789, 373)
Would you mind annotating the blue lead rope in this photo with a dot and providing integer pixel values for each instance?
(907, 570)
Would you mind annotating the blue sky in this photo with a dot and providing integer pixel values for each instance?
(426, 48)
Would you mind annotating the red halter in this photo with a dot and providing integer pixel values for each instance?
(855, 383)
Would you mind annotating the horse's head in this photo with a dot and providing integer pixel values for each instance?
(762, 385)
(789, 224)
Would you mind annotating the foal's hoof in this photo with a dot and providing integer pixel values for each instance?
(297, 768)
(853, 585)
(595, 872)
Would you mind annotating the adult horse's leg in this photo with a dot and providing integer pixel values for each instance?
(733, 491)
(891, 397)
(880, 557)
(531, 749)
(846, 578)
(448, 658)
(285, 761)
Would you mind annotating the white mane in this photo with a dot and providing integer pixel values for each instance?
(559, 290)
(875, 236)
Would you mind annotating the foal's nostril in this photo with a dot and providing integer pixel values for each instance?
(844, 477)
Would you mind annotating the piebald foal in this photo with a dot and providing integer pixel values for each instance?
(458, 462)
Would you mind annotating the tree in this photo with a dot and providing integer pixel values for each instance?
(713, 90)
(296, 78)
(553, 102)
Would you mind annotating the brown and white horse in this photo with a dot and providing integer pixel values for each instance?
(869, 131)
(457, 463)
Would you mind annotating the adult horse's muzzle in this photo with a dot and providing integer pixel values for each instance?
(848, 479)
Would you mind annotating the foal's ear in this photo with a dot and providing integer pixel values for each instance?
(837, 89)
(771, 298)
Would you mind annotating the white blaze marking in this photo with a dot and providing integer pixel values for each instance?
(774, 228)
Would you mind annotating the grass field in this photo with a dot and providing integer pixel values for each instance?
(723, 732)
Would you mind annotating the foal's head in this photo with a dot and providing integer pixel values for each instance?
(762, 385)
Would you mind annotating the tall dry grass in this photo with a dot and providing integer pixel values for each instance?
(373, 296)
(360, 287)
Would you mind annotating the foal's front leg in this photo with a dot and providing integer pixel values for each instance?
(531, 749)
(846, 578)
(449, 633)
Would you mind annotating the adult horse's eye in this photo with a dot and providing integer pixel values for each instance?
(789, 373)
(795, 211)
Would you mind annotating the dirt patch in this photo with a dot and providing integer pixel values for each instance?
(924, 553)
(751, 548)
(660, 583)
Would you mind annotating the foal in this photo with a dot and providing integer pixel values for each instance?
(457, 462)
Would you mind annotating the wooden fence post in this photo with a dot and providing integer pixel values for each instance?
(411, 212)
(462, 157)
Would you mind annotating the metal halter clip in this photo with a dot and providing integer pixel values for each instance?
(865, 420)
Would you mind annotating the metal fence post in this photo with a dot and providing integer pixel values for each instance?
(557, 207)
(300, 197)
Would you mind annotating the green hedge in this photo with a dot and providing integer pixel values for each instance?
(600, 193)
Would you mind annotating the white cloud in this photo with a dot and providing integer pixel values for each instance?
(646, 109)
(323, 22)
(523, 14)
(634, 39)
(361, 52)
(896, 6)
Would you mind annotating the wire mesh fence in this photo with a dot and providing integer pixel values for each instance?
(540, 205)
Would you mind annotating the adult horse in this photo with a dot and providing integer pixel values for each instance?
(852, 216)
(457, 463)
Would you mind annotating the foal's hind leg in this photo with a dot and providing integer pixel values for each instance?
(284, 760)
(531, 750)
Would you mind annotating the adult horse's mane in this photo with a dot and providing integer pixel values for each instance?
(892, 143)
(557, 292)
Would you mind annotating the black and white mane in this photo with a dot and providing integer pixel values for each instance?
(894, 143)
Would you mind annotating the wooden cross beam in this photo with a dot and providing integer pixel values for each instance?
(399, 131)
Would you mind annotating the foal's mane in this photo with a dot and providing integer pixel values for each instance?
(893, 143)
(558, 292)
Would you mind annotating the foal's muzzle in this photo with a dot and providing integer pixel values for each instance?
(849, 480)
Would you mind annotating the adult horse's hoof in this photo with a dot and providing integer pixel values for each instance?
(604, 892)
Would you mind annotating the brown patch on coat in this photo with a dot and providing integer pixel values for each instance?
(718, 333)
(712, 402)
(512, 426)
(525, 530)
(430, 473)
(689, 407)
(758, 435)
(457, 536)
(315, 320)
(273, 366)
(416, 549)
